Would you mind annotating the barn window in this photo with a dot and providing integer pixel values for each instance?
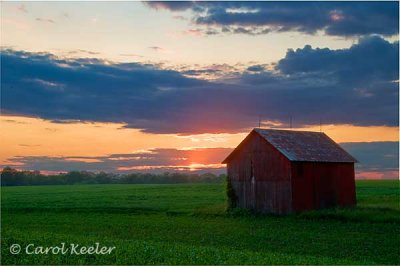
(300, 170)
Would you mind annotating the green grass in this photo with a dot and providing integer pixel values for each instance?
(188, 224)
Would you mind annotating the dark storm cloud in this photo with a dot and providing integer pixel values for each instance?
(334, 18)
(348, 86)
(152, 160)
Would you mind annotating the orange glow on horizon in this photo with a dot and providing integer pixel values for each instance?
(26, 136)
(23, 136)
(351, 133)
(191, 167)
(375, 175)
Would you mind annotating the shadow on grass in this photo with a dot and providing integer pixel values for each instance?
(109, 210)
(359, 214)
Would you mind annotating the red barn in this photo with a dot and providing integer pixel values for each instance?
(286, 171)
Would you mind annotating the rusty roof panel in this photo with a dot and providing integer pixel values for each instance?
(305, 146)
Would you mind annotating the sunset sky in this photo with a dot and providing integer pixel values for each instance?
(175, 86)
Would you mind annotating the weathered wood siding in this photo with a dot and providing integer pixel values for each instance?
(322, 185)
(261, 177)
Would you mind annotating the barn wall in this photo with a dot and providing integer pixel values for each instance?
(270, 190)
(322, 185)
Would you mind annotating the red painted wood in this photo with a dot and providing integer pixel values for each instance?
(322, 185)
(269, 190)
(265, 180)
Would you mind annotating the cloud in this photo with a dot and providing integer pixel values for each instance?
(213, 71)
(256, 68)
(47, 20)
(82, 51)
(154, 160)
(28, 145)
(194, 32)
(348, 86)
(131, 55)
(173, 6)
(249, 30)
(333, 18)
(178, 17)
(156, 48)
(13, 121)
(370, 57)
(377, 159)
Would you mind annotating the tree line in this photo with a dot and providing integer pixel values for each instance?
(13, 177)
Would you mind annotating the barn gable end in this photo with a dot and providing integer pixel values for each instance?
(258, 171)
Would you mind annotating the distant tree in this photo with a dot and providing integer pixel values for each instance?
(9, 177)
(74, 177)
(13, 177)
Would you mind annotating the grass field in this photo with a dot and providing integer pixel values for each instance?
(188, 224)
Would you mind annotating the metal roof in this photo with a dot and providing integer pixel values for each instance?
(304, 146)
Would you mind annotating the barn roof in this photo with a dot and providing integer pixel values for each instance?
(305, 146)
